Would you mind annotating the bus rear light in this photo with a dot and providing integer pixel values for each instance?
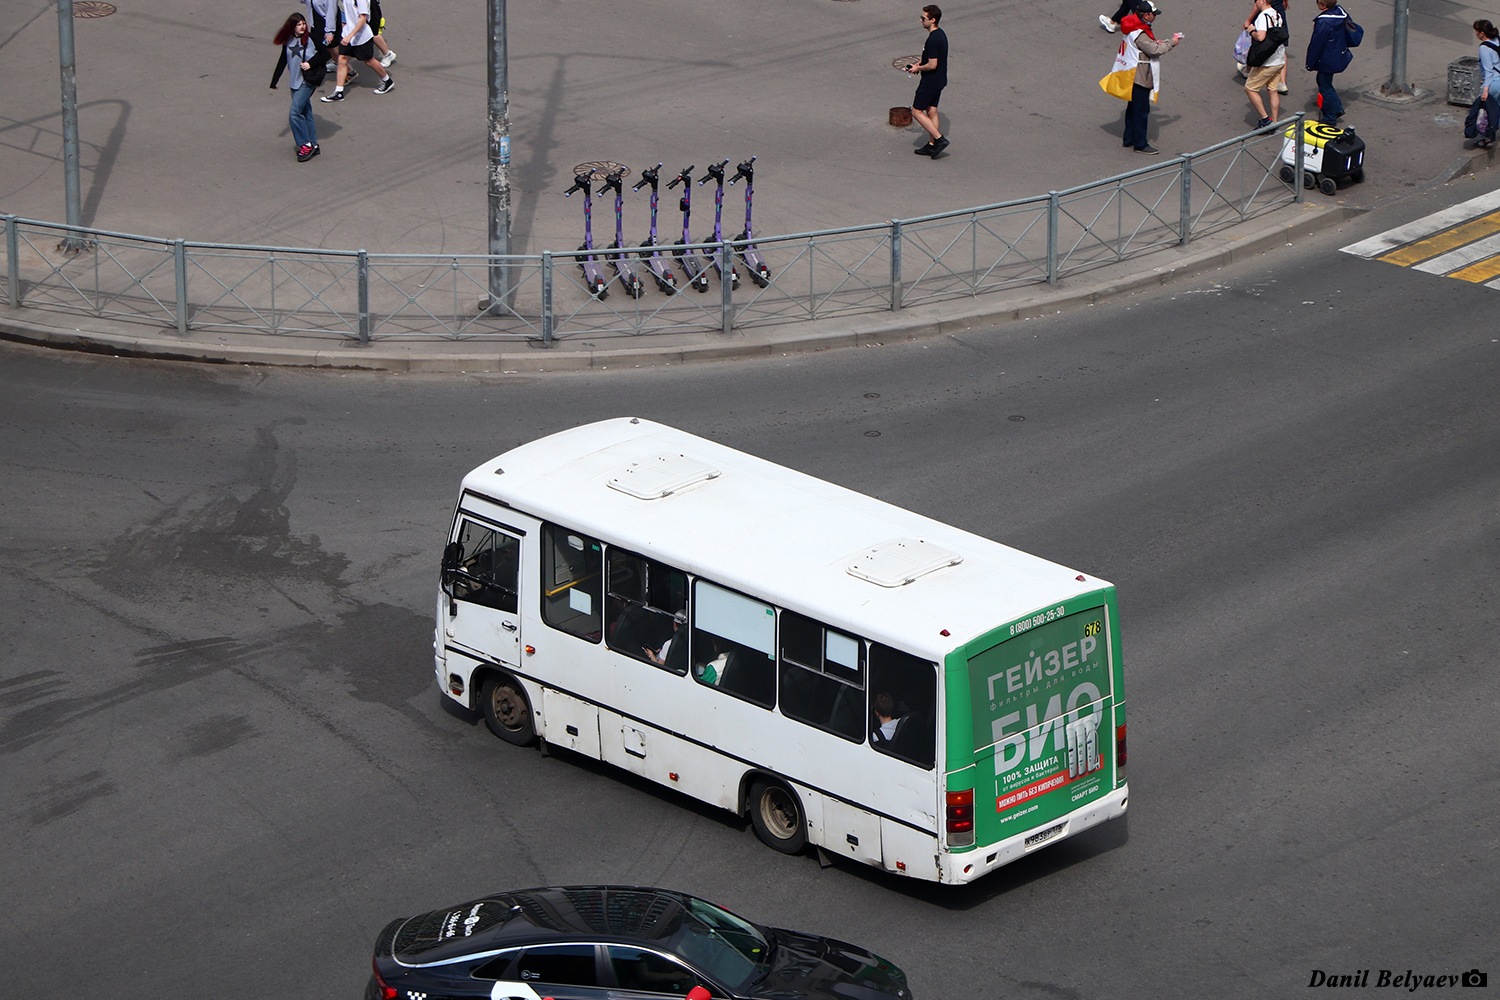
(961, 818)
(1120, 750)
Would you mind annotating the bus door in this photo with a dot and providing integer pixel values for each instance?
(481, 578)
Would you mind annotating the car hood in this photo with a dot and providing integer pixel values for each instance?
(819, 968)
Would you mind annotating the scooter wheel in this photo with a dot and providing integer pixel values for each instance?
(701, 282)
(600, 291)
(636, 289)
(761, 277)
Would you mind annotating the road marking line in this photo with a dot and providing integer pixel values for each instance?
(1463, 257)
(1424, 227)
(1442, 243)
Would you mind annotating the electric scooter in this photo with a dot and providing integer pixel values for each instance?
(759, 273)
(693, 266)
(656, 262)
(716, 172)
(626, 270)
(592, 272)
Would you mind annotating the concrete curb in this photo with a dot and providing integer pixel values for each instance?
(912, 324)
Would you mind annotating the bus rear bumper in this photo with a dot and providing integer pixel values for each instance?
(958, 869)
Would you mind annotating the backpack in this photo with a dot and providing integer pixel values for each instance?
(1265, 48)
(1355, 33)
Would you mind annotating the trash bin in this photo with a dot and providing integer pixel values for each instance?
(1465, 80)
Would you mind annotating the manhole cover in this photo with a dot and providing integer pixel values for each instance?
(92, 8)
(904, 61)
(600, 169)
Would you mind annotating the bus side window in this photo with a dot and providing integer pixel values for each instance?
(734, 643)
(572, 575)
(644, 605)
(822, 677)
(903, 705)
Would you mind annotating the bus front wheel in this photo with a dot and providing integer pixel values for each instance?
(507, 712)
(777, 817)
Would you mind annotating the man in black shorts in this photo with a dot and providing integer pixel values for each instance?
(934, 70)
(358, 44)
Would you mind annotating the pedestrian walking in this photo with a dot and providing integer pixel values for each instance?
(933, 68)
(1267, 57)
(357, 45)
(304, 59)
(1327, 54)
(1110, 23)
(377, 25)
(1136, 77)
(1280, 7)
(1488, 100)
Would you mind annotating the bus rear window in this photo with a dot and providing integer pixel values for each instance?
(903, 705)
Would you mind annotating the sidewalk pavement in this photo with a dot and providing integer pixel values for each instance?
(196, 146)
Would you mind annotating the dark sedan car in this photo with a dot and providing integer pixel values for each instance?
(615, 943)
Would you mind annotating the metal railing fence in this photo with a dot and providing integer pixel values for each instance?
(356, 295)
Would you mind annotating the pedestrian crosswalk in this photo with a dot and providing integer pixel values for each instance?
(1460, 242)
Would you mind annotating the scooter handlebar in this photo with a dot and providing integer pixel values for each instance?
(580, 183)
(647, 177)
(745, 170)
(686, 177)
(715, 170)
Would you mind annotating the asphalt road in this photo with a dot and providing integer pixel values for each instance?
(224, 764)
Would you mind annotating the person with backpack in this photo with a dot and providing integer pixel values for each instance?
(305, 60)
(1328, 53)
(1489, 93)
(1266, 57)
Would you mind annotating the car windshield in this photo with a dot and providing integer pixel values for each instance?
(721, 944)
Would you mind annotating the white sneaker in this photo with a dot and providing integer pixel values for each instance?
(388, 58)
(1107, 24)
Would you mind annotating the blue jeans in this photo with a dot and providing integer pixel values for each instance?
(304, 132)
(1332, 106)
(1137, 115)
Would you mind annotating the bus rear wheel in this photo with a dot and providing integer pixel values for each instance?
(777, 817)
(506, 711)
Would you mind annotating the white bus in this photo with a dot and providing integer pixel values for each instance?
(845, 673)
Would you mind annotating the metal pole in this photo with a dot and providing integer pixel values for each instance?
(1398, 84)
(547, 320)
(1185, 209)
(363, 268)
(69, 122)
(499, 159)
(179, 261)
(1052, 237)
(895, 264)
(1299, 171)
(726, 288)
(12, 260)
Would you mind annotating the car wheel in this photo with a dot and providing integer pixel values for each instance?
(507, 712)
(777, 817)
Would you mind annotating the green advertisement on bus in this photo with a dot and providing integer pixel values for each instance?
(1040, 703)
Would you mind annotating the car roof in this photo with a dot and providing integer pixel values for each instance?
(540, 916)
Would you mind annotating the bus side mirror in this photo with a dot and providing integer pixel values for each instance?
(452, 552)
